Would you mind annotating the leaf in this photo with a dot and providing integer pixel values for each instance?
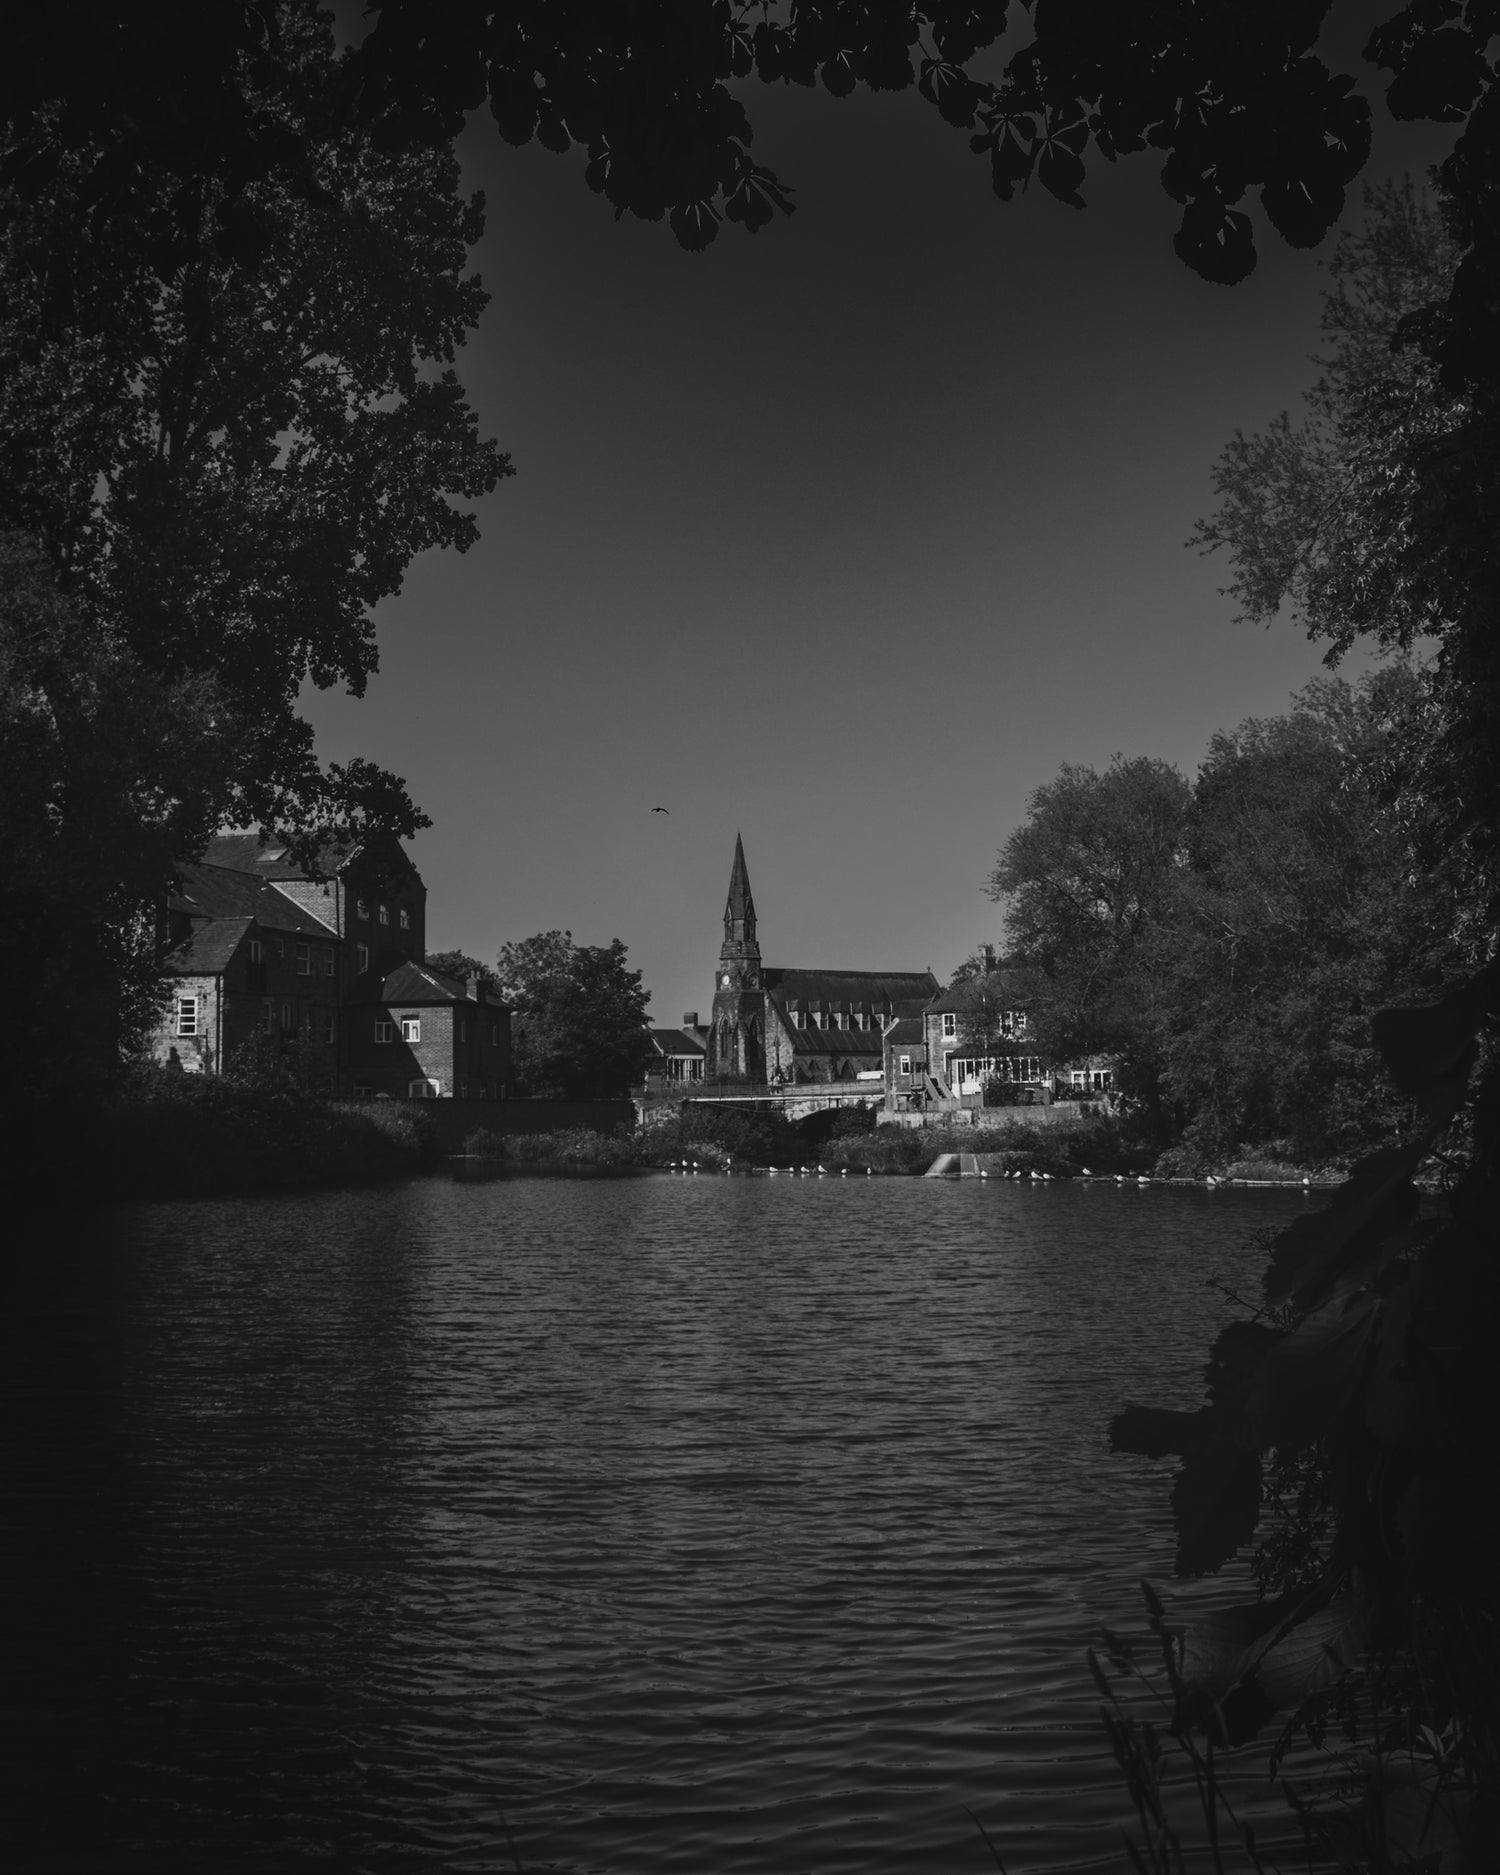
(1216, 242)
(1312, 1376)
(1434, 1047)
(1376, 1198)
(1061, 173)
(1215, 1506)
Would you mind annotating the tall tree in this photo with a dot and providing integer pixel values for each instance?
(1304, 908)
(1089, 881)
(579, 1025)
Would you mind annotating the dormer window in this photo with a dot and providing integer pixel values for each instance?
(798, 1015)
(820, 1018)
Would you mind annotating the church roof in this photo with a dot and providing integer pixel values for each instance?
(906, 991)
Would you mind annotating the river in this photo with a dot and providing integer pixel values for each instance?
(619, 1527)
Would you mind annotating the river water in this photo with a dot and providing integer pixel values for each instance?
(681, 1523)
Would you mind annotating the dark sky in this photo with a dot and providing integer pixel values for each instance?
(845, 537)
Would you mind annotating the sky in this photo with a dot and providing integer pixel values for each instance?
(844, 537)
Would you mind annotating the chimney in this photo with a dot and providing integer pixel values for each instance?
(474, 989)
(690, 1020)
(987, 957)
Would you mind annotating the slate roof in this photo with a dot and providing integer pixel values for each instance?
(243, 852)
(209, 891)
(1006, 989)
(870, 987)
(208, 949)
(677, 1042)
(909, 1031)
(417, 983)
(837, 1042)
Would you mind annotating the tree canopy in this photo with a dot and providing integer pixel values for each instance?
(578, 1029)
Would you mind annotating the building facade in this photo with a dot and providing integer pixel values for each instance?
(260, 947)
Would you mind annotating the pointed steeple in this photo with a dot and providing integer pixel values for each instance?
(739, 911)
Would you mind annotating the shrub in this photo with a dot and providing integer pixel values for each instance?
(578, 1145)
(483, 1144)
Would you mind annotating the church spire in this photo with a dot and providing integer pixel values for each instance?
(739, 911)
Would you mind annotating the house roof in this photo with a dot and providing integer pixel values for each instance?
(208, 948)
(210, 891)
(676, 1042)
(244, 852)
(906, 1032)
(1005, 989)
(418, 983)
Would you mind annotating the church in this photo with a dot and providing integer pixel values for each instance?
(776, 1026)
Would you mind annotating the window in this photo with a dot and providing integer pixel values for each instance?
(325, 952)
(411, 1029)
(304, 958)
(289, 1018)
(268, 1017)
(403, 918)
(906, 1064)
(323, 1024)
(820, 1018)
(385, 1030)
(463, 1029)
(950, 1027)
(278, 946)
(362, 909)
(255, 965)
(384, 912)
(362, 958)
(363, 1090)
(861, 1020)
(424, 1090)
(187, 1015)
(494, 1035)
(257, 952)
(799, 1017)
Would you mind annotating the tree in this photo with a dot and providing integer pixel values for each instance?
(579, 1025)
(1376, 517)
(1088, 883)
(1303, 909)
(229, 461)
(460, 964)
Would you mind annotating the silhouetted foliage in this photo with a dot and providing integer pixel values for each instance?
(578, 1027)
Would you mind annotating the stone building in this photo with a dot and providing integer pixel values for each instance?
(311, 959)
(774, 1025)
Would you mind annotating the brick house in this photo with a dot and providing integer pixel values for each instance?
(258, 945)
(417, 1034)
(977, 1040)
(246, 962)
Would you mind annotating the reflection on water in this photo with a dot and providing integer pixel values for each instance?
(670, 1524)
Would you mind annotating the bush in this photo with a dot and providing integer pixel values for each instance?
(578, 1145)
(483, 1144)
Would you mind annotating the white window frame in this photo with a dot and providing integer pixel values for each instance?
(329, 962)
(411, 1028)
(257, 951)
(424, 1089)
(950, 1025)
(385, 1029)
(362, 909)
(905, 1067)
(327, 1022)
(268, 1016)
(383, 912)
(187, 1015)
(361, 958)
(403, 918)
(303, 956)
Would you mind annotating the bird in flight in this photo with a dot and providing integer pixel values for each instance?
(662, 810)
